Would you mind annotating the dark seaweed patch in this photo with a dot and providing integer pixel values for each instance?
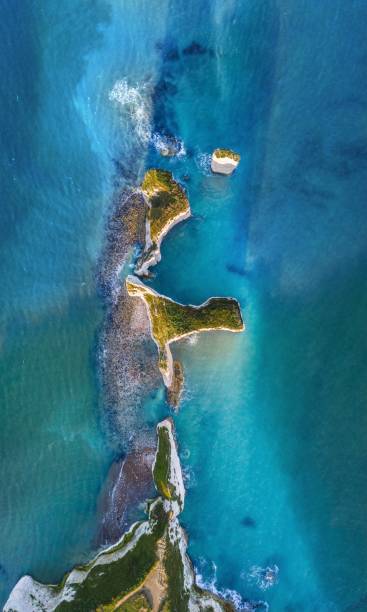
(236, 270)
(169, 50)
(194, 48)
(248, 521)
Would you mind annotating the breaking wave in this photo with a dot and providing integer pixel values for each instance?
(192, 339)
(135, 105)
(263, 577)
(168, 145)
(203, 163)
(230, 594)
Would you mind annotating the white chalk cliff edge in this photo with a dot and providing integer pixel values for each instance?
(224, 161)
(147, 568)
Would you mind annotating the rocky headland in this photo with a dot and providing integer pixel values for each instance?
(171, 321)
(167, 205)
(147, 570)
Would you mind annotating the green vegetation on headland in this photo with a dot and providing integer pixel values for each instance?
(162, 464)
(166, 469)
(167, 201)
(227, 153)
(167, 205)
(171, 321)
(147, 569)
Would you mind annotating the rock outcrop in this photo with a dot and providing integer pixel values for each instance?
(171, 321)
(224, 161)
(147, 569)
(167, 205)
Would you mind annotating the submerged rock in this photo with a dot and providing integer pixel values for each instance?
(127, 355)
(168, 146)
(194, 48)
(129, 484)
(224, 161)
(248, 521)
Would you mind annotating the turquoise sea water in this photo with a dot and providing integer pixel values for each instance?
(272, 429)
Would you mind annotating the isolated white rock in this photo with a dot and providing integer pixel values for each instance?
(224, 161)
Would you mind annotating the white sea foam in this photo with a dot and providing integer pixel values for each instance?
(229, 594)
(203, 162)
(189, 477)
(163, 145)
(263, 577)
(134, 102)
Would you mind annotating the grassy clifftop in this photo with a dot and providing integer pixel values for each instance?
(171, 320)
(167, 470)
(148, 569)
(219, 153)
(167, 201)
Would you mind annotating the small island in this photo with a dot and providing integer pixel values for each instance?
(224, 161)
(147, 570)
(167, 205)
(171, 321)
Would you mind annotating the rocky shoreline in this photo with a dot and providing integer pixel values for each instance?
(224, 161)
(167, 205)
(126, 357)
(171, 321)
(148, 568)
(129, 483)
(127, 370)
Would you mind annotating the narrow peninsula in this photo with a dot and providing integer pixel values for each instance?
(171, 321)
(167, 205)
(147, 570)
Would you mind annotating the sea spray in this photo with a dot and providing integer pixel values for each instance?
(135, 106)
(168, 146)
(210, 584)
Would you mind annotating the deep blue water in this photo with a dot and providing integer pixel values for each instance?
(272, 429)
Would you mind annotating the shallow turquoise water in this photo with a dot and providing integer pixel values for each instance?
(53, 456)
(273, 424)
(274, 421)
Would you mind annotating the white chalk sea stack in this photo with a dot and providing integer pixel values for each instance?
(224, 161)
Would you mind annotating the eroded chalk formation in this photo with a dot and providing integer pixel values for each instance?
(147, 569)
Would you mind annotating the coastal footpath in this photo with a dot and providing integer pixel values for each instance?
(147, 570)
(171, 321)
(167, 205)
